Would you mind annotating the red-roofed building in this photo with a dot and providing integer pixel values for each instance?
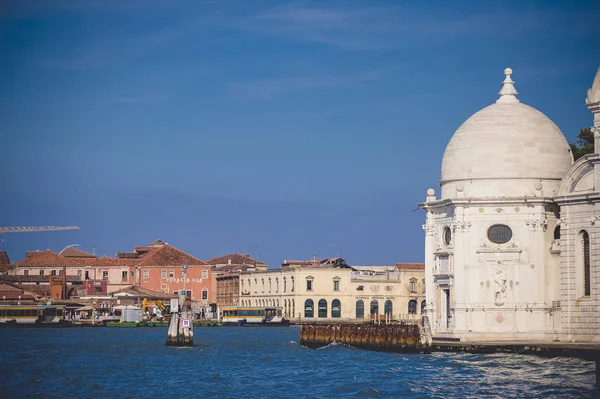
(161, 269)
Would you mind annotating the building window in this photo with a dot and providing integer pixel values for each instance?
(131, 274)
(188, 294)
(182, 274)
(276, 284)
(447, 236)
(105, 274)
(336, 309)
(163, 274)
(413, 285)
(423, 281)
(146, 273)
(25, 272)
(53, 272)
(60, 272)
(171, 273)
(292, 284)
(204, 273)
(124, 275)
(41, 272)
(388, 307)
(163, 286)
(263, 284)
(309, 285)
(360, 288)
(79, 273)
(255, 286)
(499, 234)
(284, 284)
(423, 304)
(204, 294)
(309, 309)
(412, 307)
(270, 284)
(360, 309)
(175, 292)
(585, 244)
(336, 284)
(322, 308)
(374, 307)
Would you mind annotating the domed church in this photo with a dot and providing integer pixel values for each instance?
(512, 246)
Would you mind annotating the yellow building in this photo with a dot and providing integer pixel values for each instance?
(332, 293)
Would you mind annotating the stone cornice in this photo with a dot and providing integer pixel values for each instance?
(466, 202)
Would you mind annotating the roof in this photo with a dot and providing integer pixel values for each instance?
(167, 255)
(137, 291)
(4, 258)
(6, 287)
(49, 258)
(234, 259)
(128, 255)
(107, 261)
(410, 266)
(72, 252)
(35, 278)
(233, 268)
(516, 141)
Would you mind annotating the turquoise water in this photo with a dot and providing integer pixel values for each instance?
(263, 363)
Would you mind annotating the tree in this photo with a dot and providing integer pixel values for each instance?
(584, 144)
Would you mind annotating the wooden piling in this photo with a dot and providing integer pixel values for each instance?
(403, 338)
(180, 334)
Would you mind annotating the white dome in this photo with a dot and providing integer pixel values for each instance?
(507, 149)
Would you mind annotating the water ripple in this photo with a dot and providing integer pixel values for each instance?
(265, 363)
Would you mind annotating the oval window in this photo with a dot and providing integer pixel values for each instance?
(447, 236)
(499, 234)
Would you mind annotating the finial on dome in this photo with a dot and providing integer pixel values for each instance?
(508, 91)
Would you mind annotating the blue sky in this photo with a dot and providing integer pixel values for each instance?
(276, 128)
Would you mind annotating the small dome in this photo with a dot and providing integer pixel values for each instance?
(505, 150)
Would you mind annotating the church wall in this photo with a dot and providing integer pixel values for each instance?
(497, 291)
(580, 314)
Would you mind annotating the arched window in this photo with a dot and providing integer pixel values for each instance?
(309, 309)
(322, 308)
(412, 307)
(336, 308)
(374, 306)
(284, 284)
(585, 243)
(387, 307)
(360, 309)
(423, 304)
(557, 233)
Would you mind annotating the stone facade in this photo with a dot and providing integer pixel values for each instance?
(504, 243)
(329, 293)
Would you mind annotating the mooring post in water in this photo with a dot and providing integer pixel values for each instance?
(181, 326)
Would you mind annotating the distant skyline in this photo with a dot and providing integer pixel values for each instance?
(277, 129)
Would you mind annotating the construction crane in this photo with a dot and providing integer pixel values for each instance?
(31, 229)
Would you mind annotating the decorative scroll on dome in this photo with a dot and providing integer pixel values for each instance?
(586, 183)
